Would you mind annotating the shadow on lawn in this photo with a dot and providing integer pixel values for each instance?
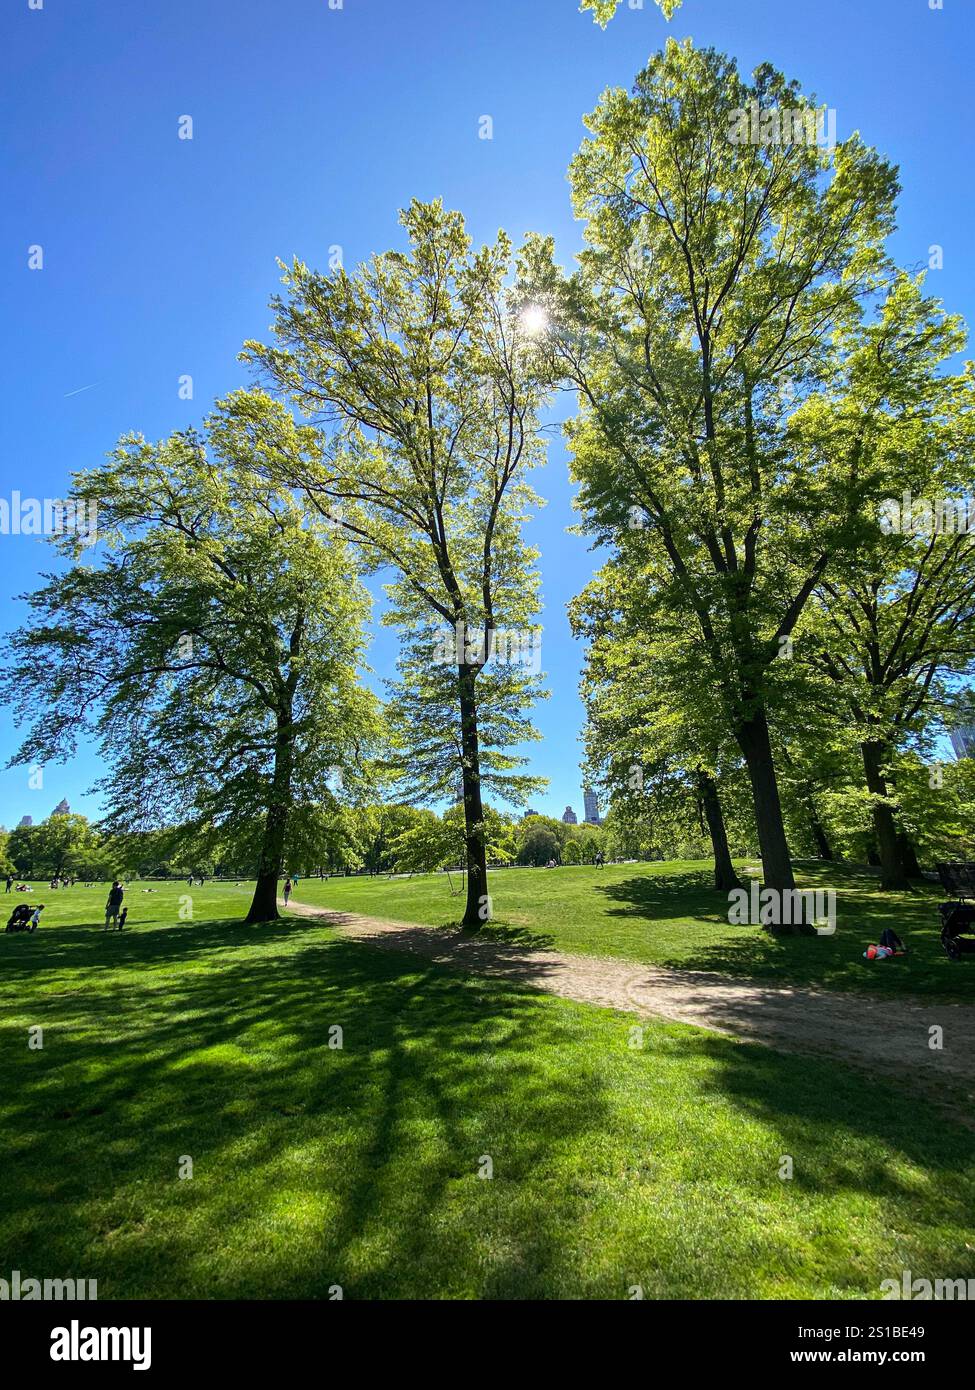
(89, 946)
(232, 1066)
(829, 962)
(505, 934)
(357, 1166)
(657, 895)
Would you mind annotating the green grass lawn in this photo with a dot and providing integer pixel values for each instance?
(668, 914)
(614, 1165)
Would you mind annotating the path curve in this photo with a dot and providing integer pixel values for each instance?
(888, 1037)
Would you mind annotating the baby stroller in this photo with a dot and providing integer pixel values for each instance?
(20, 918)
(958, 916)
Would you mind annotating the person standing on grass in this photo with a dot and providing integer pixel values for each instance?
(10, 882)
(114, 904)
(287, 891)
(35, 917)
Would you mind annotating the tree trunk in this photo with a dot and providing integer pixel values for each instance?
(264, 905)
(755, 744)
(892, 875)
(823, 847)
(476, 910)
(908, 855)
(725, 877)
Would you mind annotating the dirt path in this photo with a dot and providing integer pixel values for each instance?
(890, 1037)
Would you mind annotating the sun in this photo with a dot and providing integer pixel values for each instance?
(534, 320)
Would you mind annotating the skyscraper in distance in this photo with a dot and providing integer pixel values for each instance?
(963, 741)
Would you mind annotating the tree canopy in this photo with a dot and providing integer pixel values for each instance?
(213, 651)
(418, 373)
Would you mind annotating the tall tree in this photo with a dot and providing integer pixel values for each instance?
(418, 372)
(704, 321)
(892, 626)
(60, 845)
(650, 711)
(213, 651)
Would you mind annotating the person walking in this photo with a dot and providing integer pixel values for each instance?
(114, 905)
(287, 891)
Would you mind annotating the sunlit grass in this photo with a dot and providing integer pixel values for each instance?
(315, 1166)
(668, 914)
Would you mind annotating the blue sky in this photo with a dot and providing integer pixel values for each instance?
(311, 127)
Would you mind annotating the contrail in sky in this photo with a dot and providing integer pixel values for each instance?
(80, 389)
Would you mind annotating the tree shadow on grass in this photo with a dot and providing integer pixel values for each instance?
(90, 947)
(496, 931)
(505, 934)
(232, 1066)
(317, 1165)
(828, 962)
(690, 893)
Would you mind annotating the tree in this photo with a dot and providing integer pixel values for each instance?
(938, 806)
(213, 652)
(57, 847)
(435, 842)
(377, 827)
(651, 726)
(705, 324)
(416, 369)
(425, 738)
(324, 834)
(892, 627)
(428, 844)
(572, 853)
(538, 846)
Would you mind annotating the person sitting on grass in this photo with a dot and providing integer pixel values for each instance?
(114, 905)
